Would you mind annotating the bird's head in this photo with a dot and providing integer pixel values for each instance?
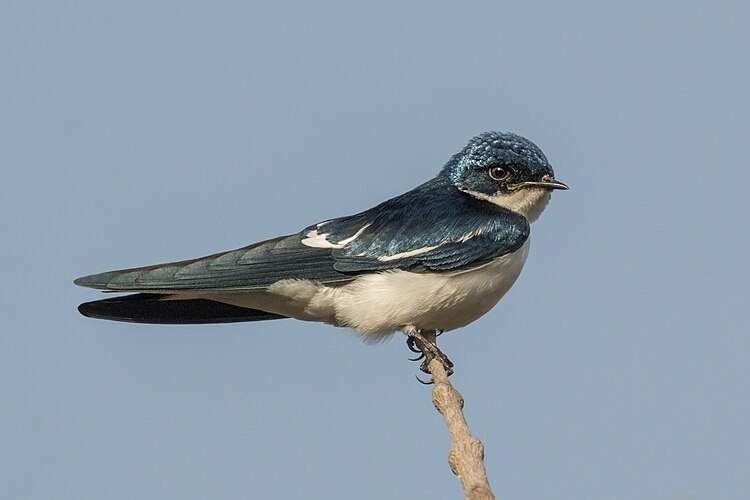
(505, 169)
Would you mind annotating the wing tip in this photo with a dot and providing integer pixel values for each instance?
(93, 281)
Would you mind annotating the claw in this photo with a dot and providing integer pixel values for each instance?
(429, 382)
(424, 344)
(411, 343)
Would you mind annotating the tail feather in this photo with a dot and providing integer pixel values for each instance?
(153, 308)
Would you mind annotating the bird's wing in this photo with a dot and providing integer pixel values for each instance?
(254, 267)
(431, 241)
(402, 233)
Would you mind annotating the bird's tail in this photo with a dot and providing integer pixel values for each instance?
(170, 309)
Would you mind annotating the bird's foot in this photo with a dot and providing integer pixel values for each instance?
(423, 342)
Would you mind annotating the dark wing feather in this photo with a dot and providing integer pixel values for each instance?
(170, 310)
(250, 268)
(433, 227)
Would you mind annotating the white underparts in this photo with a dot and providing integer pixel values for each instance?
(529, 201)
(377, 304)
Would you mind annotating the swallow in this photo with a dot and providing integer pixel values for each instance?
(433, 259)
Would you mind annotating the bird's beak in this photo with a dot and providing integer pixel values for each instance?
(544, 183)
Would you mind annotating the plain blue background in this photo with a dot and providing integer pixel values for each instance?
(141, 132)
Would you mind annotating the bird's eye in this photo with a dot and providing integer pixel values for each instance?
(499, 173)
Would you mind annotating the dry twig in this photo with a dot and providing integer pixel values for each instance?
(466, 456)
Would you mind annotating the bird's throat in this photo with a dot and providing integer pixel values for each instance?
(529, 202)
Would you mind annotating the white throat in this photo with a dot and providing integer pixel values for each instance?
(529, 202)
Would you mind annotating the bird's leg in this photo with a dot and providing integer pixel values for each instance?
(423, 342)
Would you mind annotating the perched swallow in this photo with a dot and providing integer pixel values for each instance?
(435, 258)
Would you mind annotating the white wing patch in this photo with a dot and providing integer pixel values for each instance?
(354, 237)
(410, 253)
(420, 251)
(470, 235)
(315, 239)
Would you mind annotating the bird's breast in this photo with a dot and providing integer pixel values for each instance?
(376, 305)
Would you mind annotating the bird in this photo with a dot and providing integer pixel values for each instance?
(433, 259)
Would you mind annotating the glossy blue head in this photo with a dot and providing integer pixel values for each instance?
(505, 169)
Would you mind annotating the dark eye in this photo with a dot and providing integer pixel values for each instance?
(499, 173)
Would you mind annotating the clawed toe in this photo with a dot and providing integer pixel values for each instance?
(424, 344)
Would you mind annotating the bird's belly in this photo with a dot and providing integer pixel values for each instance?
(377, 304)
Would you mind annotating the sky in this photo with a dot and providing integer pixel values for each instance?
(143, 132)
